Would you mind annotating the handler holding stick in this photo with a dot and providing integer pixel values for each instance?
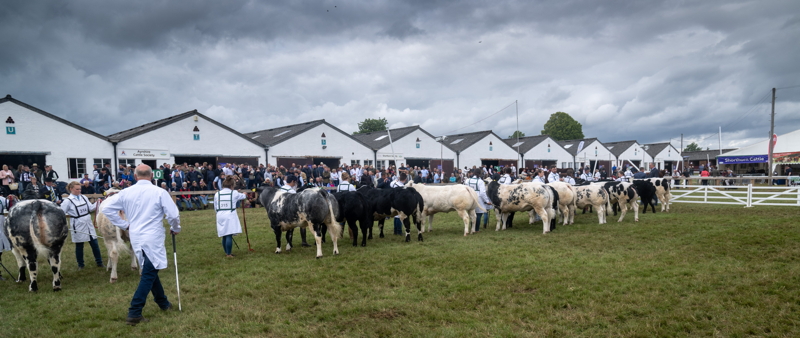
(145, 206)
(227, 220)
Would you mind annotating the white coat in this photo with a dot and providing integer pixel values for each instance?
(506, 179)
(79, 210)
(227, 218)
(288, 189)
(477, 184)
(5, 245)
(538, 179)
(145, 206)
(345, 186)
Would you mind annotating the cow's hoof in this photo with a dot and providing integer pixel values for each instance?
(381, 236)
(364, 244)
(318, 257)
(306, 244)
(370, 237)
(465, 234)
(132, 269)
(278, 251)
(408, 238)
(113, 280)
(419, 238)
(336, 252)
(636, 220)
(33, 287)
(56, 288)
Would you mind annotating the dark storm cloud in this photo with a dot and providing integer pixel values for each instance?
(625, 69)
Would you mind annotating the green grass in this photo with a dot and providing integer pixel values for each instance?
(698, 271)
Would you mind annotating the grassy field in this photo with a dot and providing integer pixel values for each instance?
(698, 271)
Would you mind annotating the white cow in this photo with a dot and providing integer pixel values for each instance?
(115, 239)
(566, 200)
(594, 195)
(447, 198)
(521, 197)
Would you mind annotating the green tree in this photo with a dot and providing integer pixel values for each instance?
(516, 134)
(561, 126)
(370, 125)
(692, 147)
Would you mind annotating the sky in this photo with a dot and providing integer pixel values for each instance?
(626, 70)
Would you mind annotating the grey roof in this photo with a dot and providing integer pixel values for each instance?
(653, 149)
(148, 127)
(617, 148)
(573, 149)
(274, 136)
(379, 139)
(8, 98)
(701, 155)
(528, 142)
(467, 139)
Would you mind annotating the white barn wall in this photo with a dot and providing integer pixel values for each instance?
(589, 151)
(539, 152)
(480, 150)
(309, 144)
(407, 146)
(667, 155)
(38, 133)
(178, 138)
(634, 153)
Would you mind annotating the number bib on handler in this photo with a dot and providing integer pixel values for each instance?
(82, 209)
(225, 202)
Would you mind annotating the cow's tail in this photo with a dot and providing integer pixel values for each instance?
(335, 229)
(36, 229)
(475, 199)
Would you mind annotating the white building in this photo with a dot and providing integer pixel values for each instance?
(190, 137)
(628, 153)
(35, 136)
(312, 142)
(412, 146)
(664, 155)
(481, 148)
(588, 152)
(541, 152)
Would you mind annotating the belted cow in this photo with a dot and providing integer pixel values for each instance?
(406, 203)
(37, 227)
(313, 208)
(115, 239)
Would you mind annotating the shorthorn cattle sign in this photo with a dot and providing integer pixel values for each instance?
(742, 159)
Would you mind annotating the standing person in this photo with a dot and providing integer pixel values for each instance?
(4, 243)
(7, 177)
(228, 224)
(399, 183)
(554, 176)
(345, 185)
(145, 206)
(506, 179)
(79, 209)
(654, 172)
(570, 177)
(289, 186)
(587, 176)
(50, 173)
(480, 187)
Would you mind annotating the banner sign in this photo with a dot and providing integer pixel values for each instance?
(786, 158)
(742, 159)
(143, 153)
(158, 174)
(389, 156)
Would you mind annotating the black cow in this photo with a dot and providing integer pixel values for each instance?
(312, 208)
(405, 202)
(33, 226)
(353, 207)
(647, 190)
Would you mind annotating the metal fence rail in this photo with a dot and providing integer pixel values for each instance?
(746, 195)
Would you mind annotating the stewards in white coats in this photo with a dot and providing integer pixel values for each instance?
(145, 207)
(291, 183)
(554, 176)
(225, 202)
(345, 184)
(506, 179)
(400, 182)
(5, 245)
(79, 210)
(477, 184)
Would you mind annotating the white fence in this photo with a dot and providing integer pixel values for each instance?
(746, 195)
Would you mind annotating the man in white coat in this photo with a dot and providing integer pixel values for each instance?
(145, 206)
(506, 179)
(477, 184)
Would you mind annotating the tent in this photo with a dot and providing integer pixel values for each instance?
(787, 151)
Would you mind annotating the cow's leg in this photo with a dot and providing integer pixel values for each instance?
(545, 219)
(317, 238)
(469, 227)
(351, 223)
(277, 231)
(134, 262)
(380, 226)
(473, 220)
(304, 243)
(289, 237)
(369, 223)
(113, 258)
(531, 215)
(366, 227)
(635, 207)
(430, 222)
(20, 264)
(407, 225)
(601, 213)
(323, 230)
(30, 260)
(54, 258)
(501, 220)
(623, 210)
(335, 239)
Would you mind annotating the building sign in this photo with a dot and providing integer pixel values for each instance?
(11, 130)
(389, 156)
(158, 174)
(786, 158)
(143, 153)
(742, 159)
(197, 137)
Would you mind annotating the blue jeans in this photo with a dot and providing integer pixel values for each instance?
(485, 218)
(187, 204)
(95, 250)
(478, 221)
(227, 244)
(149, 282)
(203, 199)
(398, 227)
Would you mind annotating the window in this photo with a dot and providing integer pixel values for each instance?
(354, 162)
(100, 162)
(127, 162)
(368, 162)
(380, 165)
(77, 167)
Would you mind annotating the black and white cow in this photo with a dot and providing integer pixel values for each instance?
(566, 200)
(521, 197)
(592, 195)
(662, 191)
(312, 208)
(353, 207)
(622, 195)
(404, 202)
(37, 227)
(647, 191)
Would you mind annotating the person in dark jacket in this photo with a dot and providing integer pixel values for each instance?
(654, 172)
(87, 188)
(34, 190)
(366, 179)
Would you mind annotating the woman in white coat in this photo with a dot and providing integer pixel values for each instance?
(79, 209)
(227, 219)
(477, 184)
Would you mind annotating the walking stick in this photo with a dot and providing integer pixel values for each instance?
(4, 268)
(245, 230)
(177, 283)
(237, 244)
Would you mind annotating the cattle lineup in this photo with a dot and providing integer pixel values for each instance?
(353, 196)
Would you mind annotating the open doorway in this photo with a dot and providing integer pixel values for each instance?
(14, 160)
